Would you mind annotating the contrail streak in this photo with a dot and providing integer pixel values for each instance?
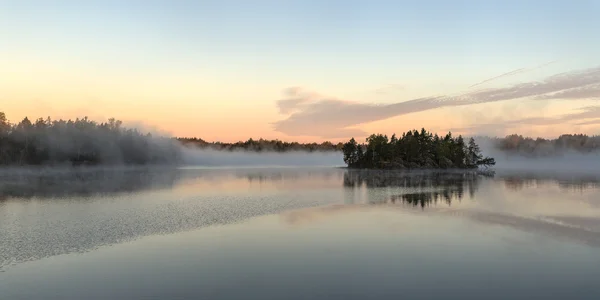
(513, 72)
(517, 71)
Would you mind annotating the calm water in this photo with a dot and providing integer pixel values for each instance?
(298, 233)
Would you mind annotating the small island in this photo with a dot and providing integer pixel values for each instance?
(415, 150)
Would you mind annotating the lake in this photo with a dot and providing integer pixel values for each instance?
(298, 233)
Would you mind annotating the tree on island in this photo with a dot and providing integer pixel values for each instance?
(415, 149)
(351, 148)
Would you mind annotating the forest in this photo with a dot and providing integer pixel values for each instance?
(80, 142)
(86, 142)
(413, 150)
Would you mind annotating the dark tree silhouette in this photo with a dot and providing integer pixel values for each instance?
(81, 141)
(415, 149)
(350, 152)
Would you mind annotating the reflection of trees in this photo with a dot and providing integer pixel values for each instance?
(84, 182)
(520, 181)
(513, 183)
(279, 175)
(432, 186)
(428, 198)
(260, 177)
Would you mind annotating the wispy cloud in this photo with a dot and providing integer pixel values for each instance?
(295, 98)
(513, 72)
(591, 91)
(311, 114)
(589, 112)
(590, 122)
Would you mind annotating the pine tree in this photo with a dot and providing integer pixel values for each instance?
(350, 152)
(473, 153)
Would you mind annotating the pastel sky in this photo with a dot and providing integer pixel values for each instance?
(306, 70)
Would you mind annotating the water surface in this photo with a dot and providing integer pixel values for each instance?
(297, 233)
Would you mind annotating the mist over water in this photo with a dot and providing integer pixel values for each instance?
(566, 161)
(239, 158)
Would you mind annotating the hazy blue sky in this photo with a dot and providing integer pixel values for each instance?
(195, 64)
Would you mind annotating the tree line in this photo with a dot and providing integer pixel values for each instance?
(526, 146)
(80, 141)
(414, 149)
(83, 141)
(261, 145)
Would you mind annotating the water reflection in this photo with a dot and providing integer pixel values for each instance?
(50, 213)
(77, 211)
(104, 182)
(419, 187)
(375, 253)
(427, 188)
(413, 179)
(422, 188)
(567, 181)
(427, 199)
(27, 184)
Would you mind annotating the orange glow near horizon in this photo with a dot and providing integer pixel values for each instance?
(230, 110)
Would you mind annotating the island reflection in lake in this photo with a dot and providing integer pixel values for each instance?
(297, 233)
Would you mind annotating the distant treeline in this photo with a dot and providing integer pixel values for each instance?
(261, 145)
(80, 141)
(414, 149)
(517, 144)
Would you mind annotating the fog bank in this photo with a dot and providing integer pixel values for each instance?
(237, 158)
(561, 160)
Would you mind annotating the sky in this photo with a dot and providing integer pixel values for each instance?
(305, 70)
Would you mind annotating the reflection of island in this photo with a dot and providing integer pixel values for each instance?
(428, 198)
(412, 179)
(422, 188)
